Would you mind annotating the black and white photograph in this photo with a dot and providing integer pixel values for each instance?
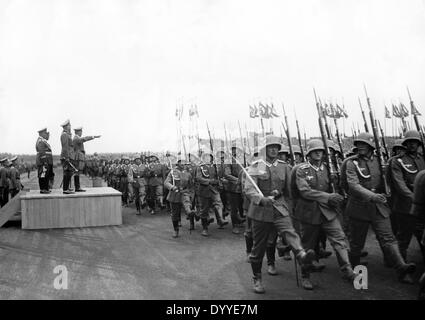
(212, 154)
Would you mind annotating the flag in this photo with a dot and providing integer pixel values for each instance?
(387, 113)
(253, 112)
(341, 112)
(263, 111)
(404, 111)
(413, 110)
(273, 111)
(344, 112)
(191, 111)
(396, 112)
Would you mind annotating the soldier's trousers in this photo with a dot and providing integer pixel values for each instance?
(214, 202)
(408, 226)
(271, 242)
(236, 207)
(44, 173)
(261, 231)
(124, 188)
(67, 175)
(4, 197)
(310, 235)
(176, 208)
(138, 190)
(358, 233)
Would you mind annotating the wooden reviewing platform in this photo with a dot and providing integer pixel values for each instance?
(95, 207)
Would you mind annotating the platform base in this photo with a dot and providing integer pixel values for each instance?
(95, 207)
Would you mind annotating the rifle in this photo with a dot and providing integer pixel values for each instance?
(247, 140)
(299, 139)
(325, 144)
(323, 115)
(212, 151)
(377, 146)
(415, 117)
(364, 116)
(243, 145)
(288, 135)
(338, 137)
(384, 144)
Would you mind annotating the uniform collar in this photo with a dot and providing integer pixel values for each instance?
(320, 168)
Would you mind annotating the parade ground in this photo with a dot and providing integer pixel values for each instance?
(140, 260)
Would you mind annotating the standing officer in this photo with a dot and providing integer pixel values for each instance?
(67, 157)
(404, 169)
(44, 161)
(317, 209)
(269, 210)
(367, 205)
(4, 182)
(15, 178)
(80, 155)
(209, 194)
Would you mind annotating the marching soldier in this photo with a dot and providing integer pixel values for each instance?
(15, 178)
(180, 184)
(284, 153)
(297, 153)
(44, 161)
(269, 209)
(116, 174)
(232, 173)
(156, 173)
(80, 155)
(418, 211)
(4, 182)
(123, 179)
(317, 209)
(209, 195)
(137, 183)
(404, 169)
(367, 205)
(67, 157)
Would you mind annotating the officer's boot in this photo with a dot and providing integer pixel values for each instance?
(403, 269)
(66, 181)
(271, 269)
(204, 227)
(77, 184)
(176, 229)
(192, 223)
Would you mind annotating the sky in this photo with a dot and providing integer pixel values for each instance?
(120, 68)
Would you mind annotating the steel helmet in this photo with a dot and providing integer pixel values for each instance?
(315, 144)
(365, 137)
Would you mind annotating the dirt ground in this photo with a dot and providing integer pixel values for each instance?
(140, 260)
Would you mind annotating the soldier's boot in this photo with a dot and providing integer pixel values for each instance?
(271, 269)
(176, 229)
(344, 264)
(161, 202)
(400, 265)
(306, 283)
(249, 243)
(348, 273)
(258, 283)
(317, 266)
(220, 221)
(138, 208)
(305, 257)
(77, 184)
(210, 220)
(192, 224)
(271, 258)
(235, 230)
(204, 228)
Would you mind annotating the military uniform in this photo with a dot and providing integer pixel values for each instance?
(179, 182)
(404, 169)
(67, 157)
(4, 182)
(418, 205)
(124, 170)
(232, 173)
(15, 178)
(365, 207)
(137, 184)
(273, 179)
(209, 194)
(156, 176)
(316, 209)
(44, 163)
